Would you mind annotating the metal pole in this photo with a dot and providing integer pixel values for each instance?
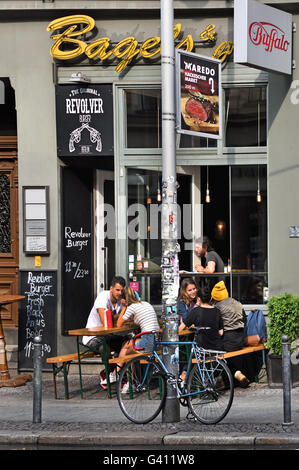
(286, 380)
(37, 380)
(170, 247)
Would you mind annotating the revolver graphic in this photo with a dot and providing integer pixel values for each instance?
(75, 137)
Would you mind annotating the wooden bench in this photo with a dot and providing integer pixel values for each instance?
(245, 350)
(239, 352)
(65, 361)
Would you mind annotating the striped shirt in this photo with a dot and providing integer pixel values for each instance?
(143, 315)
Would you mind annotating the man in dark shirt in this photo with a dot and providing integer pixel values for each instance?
(214, 263)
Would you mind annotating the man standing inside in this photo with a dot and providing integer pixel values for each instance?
(107, 299)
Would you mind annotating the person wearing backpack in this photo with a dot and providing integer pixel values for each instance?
(234, 319)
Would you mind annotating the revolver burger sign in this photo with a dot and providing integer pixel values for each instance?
(198, 95)
(84, 116)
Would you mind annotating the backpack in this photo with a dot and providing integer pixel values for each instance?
(255, 330)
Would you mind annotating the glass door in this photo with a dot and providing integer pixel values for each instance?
(105, 229)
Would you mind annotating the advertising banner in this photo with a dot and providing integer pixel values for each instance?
(84, 119)
(262, 36)
(198, 95)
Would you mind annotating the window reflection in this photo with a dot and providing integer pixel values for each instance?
(246, 119)
(249, 232)
(143, 118)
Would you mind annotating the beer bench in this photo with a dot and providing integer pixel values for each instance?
(227, 355)
(67, 359)
(62, 363)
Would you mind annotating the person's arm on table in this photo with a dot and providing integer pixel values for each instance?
(120, 320)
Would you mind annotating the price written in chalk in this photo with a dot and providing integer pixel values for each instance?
(76, 269)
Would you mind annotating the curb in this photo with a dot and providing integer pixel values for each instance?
(144, 440)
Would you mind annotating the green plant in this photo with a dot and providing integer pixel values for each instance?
(283, 314)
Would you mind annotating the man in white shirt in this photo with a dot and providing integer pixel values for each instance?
(107, 299)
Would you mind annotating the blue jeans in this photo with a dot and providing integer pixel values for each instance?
(146, 342)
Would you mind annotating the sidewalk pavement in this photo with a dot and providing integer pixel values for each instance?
(255, 421)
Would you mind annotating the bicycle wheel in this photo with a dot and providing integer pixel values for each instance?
(141, 390)
(211, 390)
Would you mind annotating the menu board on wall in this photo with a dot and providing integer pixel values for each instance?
(37, 316)
(77, 247)
(84, 120)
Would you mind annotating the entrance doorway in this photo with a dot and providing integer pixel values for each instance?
(105, 229)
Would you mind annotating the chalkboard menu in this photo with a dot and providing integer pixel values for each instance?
(37, 316)
(84, 120)
(77, 247)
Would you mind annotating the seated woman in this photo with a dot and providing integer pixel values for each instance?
(143, 315)
(205, 315)
(234, 318)
(188, 298)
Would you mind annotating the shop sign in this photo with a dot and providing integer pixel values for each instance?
(262, 36)
(84, 119)
(67, 46)
(198, 95)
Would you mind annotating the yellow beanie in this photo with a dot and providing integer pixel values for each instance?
(219, 292)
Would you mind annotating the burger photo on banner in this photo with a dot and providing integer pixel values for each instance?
(198, 95)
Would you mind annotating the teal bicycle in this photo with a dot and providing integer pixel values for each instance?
(207, 390)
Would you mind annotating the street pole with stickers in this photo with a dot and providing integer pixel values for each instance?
(170, 246)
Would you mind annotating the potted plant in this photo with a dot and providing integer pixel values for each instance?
(283, 316)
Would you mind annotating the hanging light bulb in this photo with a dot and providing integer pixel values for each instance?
(258, 194)
(159, 197)
(208, 198)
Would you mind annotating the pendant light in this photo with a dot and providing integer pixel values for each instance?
(159, 197)
(258, 194)
(208, 198)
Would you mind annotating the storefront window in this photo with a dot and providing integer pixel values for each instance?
(236, 223)
(143, 118)
(190, 141)
(249, 232)
(245, 116)
(144, 124)
(144, 230)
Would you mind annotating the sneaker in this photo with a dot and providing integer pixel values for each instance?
(103, 379)
(125, 388)
(112, 378)
(242, 379)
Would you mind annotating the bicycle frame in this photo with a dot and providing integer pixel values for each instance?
(197, 352)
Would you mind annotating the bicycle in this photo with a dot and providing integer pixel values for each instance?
(207, 390)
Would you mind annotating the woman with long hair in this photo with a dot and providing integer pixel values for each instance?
(142, 314)
(188, 298)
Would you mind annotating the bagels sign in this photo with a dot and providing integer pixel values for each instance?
(262, 36)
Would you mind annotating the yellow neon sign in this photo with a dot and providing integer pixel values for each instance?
(126, 49)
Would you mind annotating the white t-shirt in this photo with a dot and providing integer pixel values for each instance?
(102, 301)
(143, 315)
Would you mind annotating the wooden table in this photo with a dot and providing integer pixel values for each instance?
(99, 331)
(5, 379)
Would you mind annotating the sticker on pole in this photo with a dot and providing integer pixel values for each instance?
(198, 95)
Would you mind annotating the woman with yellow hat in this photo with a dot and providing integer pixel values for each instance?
(234, 319)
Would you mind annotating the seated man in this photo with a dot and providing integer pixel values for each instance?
(214, 263)
(107, 299)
